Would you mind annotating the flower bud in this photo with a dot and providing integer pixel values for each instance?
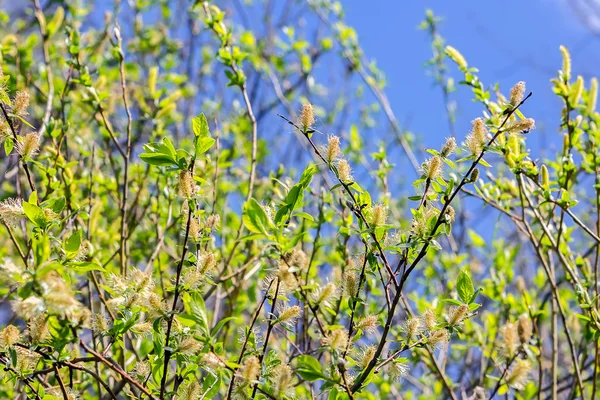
(510, 160)
(474, 175)
(545, 177)
(566, 65)
(448, 147)
(456, 57)
(592, 95)
(576, 91)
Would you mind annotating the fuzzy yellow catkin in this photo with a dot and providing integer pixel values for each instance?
(433, 167)
(21, 103)
(429, 319)
(517, 93)
(439, 338)
(566, 64)
(576, 90)
(28, 308)
(412, 326)
(398, 370)
(195, 228)
(297, 258)
(368, 323)
(282, 378)
(307, 116)
(456, 57)
(189, 346)
(350, 283)
(28, 145)
(518, 375)
(288, 315)
(9, 336)
(27, 360)
(592, 95)
(344, 170)
(212, 361)
(333, 148)
(212, 221)
(206, 262)
(458, 314)
(524, 125)
(142, 369)
(379, 215)
(524, 328)
(187, 186)
(337, 339)
(366, 355)
(250, 370)
(11, 211)
(510, 338)
(325, 294)
(187, 391)
(476, 140)
(38, 329)
(142, 328)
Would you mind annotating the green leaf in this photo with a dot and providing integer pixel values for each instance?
(196, 309)
(58, 205)
(477, 240)
(220, 325)
(304, 215)
(203, 144)
(452, 301)
(73, 242)
(9, 145)
(33, 198)
(464, 286)
(307, 175)
(160, 154)
(86, 266)
(34, 213)
(161, 160)
(56, 21)
(200, 126)
(256, 219)
(309, 368)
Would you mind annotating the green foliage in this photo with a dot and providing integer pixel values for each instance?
(151, 253)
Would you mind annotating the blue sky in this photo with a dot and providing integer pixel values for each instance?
(507, 41)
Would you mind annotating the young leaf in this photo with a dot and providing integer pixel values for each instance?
(200, 126)
(309, 368)
(464, 286)
(73, 242)
(256, 219)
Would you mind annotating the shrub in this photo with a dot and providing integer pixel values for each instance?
(151, 254)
